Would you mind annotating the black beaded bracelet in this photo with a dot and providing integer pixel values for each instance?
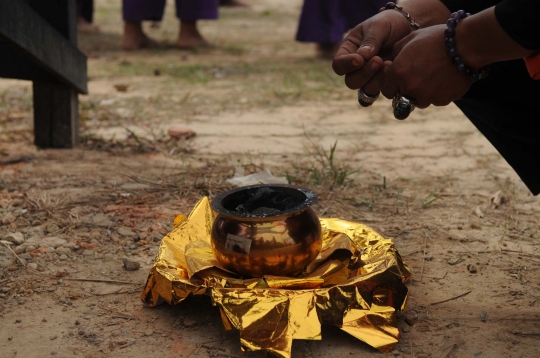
(450, 40)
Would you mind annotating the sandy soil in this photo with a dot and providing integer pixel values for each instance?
(257, 99)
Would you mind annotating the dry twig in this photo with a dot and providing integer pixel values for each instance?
(100, 280)
(450, 299)
(17, 256)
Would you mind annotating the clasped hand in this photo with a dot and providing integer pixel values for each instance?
(384, 55)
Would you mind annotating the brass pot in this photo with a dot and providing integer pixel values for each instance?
(281, 239)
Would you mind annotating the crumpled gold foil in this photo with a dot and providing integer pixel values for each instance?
(356, 283)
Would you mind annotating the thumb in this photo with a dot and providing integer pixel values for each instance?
(373, 40)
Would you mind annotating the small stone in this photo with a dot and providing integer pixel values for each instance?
(471, 268)
(30, 248)
(410, 319)
(180, 132)
(53, 241)
(50, 250)
(52, 338)
(188, 322)
(81, 332)
(15, 237)
(64, 258)
(131, 265)
(5, 289)
(26, 256)
(124, 231)
(121, 87)
(20, 249)
(63, 251)
(8, 219)
(455, 260)
(148, 332)
(71, 246)
(21, 301)
(406, 329)
(18, 320)
(52, 228)
(88, 253)
(32, 266)
(77, 322)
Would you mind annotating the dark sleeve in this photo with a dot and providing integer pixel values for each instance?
(519, 18)
(472, 6)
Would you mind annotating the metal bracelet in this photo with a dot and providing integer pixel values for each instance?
(393, 6)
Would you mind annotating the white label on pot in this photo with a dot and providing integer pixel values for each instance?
(238, 244)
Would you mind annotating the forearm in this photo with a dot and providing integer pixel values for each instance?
(481, 41)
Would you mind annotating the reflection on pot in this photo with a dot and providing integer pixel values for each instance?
(266, 230)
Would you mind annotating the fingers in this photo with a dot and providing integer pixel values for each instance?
(373, 40)
(389, 86)
(347, 63)
(363, 75)
(373, 86)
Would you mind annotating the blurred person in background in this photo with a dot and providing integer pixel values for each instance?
(233, 3)
(188, 12)
(325, 22)
(85, 16)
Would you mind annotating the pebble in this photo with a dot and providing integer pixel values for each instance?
(32, 265)
(18, 320)
(88, 252)
(51, 228)
(25, 256)
(71, 246)
(131, 265)
(15, 237)
(20, 249)
(53, 241)
(63, 251)
(180, 132)
(124, 231)
(64, 258)
(21, 302)
(50, 250)
(189, 322)
(5, 289)
(8, 219)
(30, 248)
(455, 260)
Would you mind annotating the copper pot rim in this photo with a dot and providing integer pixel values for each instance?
(217, 206)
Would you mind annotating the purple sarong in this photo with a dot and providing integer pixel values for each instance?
(325, 21)
(186, 10)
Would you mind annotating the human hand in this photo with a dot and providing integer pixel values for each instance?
(361, 54)
(422, 71)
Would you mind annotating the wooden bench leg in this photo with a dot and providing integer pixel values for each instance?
(56, 115)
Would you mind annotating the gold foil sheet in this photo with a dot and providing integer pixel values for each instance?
(356, 283)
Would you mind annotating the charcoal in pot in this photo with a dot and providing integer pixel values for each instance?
(267, 198)
(262, 211)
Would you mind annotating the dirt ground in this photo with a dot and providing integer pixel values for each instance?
(458, 214)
